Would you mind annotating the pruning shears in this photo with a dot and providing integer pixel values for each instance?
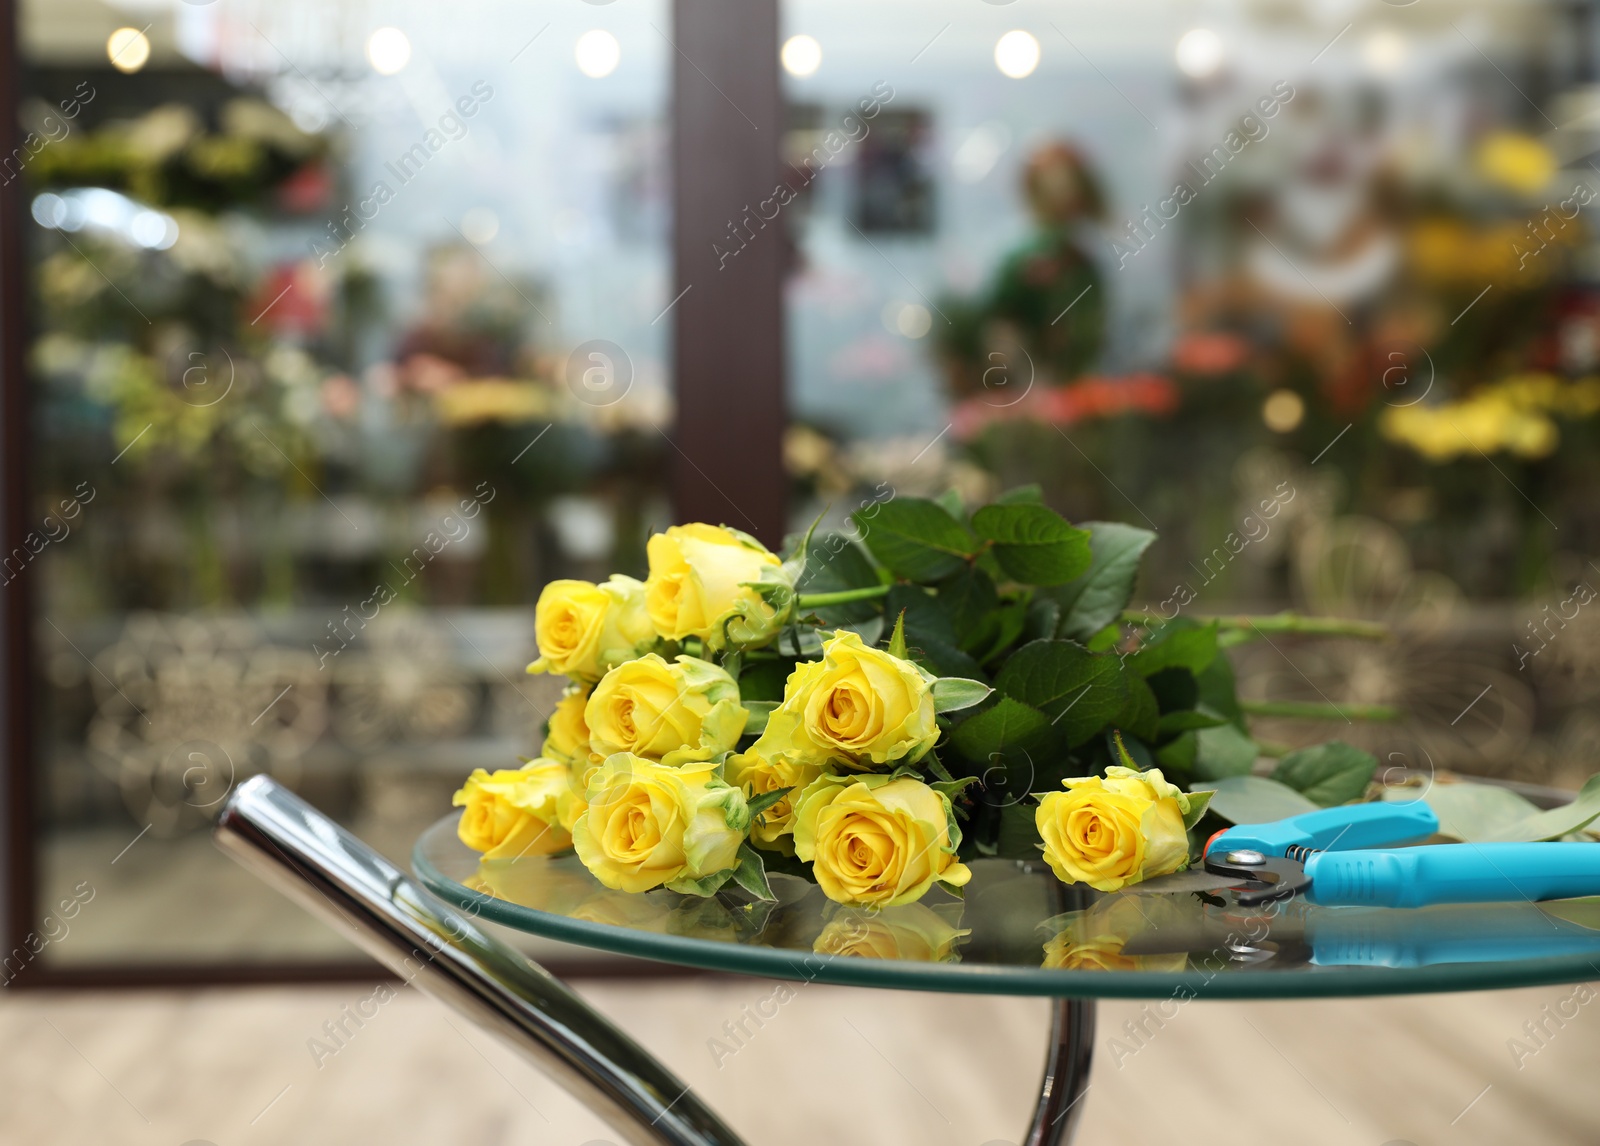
(1348, 856)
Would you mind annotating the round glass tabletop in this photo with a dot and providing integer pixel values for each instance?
(1019, 931)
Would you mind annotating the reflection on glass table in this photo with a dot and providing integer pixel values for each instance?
(1019, 931)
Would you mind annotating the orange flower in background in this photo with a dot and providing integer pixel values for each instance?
(1210, 352)
(1086, 400)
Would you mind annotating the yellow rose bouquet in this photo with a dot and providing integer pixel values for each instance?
(878, 710)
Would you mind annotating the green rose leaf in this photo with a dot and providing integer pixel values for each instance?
(1010, 724)
(835, 563)
(1198, 803)
(751, 873)
(1139, 714)
(1079, 691)
(1188, 646)
(759, 710)
(1557, 822)
(1030, 494)
(1329, 774)
(916, 538)
(1223, 751)
(1255, 800)
(759, 804)
(1019, 833)
(1034, 544)
(951, 693)
(1189, 720)
(1472, 812)
(1097, 597)
(967, 600)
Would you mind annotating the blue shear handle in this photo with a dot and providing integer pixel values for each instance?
(1347, 827)
(1455, 873)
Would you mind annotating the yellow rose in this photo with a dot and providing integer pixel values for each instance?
(675, 713)
(583, 629)
(877, 841)
(858, 707)
(756, 773)
(514, 812)
(567, 739)
(701, 585)
(910, 931)
(652, 825)
(1113, 832)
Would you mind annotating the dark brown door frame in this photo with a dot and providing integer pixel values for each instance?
(17, 889)
(728, 357)
(729, 253)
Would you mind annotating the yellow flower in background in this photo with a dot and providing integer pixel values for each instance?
(700, 585)
(1511, 416)
(755, 773)
(910, 932)
(1515, 161)
(685, 711)
(582, 629)
(858, 707)
(492, 400)
(653, 825)
(514, 812)
(877, 840)
(1109, 833)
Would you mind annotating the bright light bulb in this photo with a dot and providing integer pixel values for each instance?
(597, 53)
(1283, 411)
(128, 49)
(1199, 53)
(388, 51)
(480, 225)
(1385, 52)
(1016, 54)
(801, 56)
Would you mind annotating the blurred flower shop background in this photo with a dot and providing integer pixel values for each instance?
(344, 342)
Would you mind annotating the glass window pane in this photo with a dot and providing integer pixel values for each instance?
(344, 343)
(1309, 289)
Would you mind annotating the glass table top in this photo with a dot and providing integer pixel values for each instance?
(1019, 931)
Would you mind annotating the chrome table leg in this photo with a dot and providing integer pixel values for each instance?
(1066, 1073)
(442, 951)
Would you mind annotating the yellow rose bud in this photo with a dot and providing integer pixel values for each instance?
(583, 629)
(514, 812)
(652, 825)
(858, 707)
(910, 931)
(877, 841)
(755, 773)
(568, 737)
(685, 711)
(700, 585)
(1113, 832)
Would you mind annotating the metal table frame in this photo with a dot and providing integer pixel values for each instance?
(447, 954)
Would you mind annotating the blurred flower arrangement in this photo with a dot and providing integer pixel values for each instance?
(1512, 416)
(872, 716)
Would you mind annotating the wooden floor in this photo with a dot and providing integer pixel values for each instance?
(878, 1068)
